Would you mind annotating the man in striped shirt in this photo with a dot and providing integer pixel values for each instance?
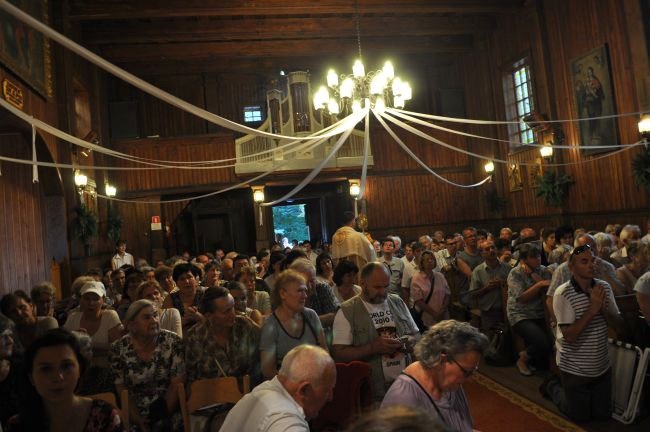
(583, 307)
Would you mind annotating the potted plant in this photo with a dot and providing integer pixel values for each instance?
(84, 226)
(553, 187)
(495, 202)
(641, 169)
(114, 225)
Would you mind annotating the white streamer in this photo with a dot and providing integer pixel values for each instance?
(135, 81)
(336, 129)
(366, 152)
(415, 158)
(34, 166)
(449, 146)
(398, 113)
(471, 121)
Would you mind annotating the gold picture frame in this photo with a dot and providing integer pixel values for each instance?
(514, 177)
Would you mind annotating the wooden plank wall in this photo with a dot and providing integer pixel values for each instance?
(23, 254)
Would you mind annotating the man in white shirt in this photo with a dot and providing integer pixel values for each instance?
(395, 265)
(122, 257)
(303, 385)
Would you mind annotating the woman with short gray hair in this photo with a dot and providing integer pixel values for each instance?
(448, 355)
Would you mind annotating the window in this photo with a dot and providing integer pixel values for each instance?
(518, 88)
(252, 114)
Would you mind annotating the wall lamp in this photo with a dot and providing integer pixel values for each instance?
(547, 151)
(111, 190)
(489, 167)
(355, 188)
(258, 194)
(644, 127)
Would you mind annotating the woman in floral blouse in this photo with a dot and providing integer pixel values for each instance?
(225, 343)
(148, 362)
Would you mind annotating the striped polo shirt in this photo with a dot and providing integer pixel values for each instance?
(588, 356)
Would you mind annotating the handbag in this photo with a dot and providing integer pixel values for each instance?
(417, 314)
(500, 352)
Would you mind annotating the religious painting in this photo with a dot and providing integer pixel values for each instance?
(514, 178)
(594, 95)
(25, 51)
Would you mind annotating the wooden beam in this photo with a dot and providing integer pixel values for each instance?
(273, 28)
(97, 10)
(284, 48)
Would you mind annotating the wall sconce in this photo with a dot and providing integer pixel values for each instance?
(547, 151)
(258, 194)
(355, 188)
(81, 180)
(111, 190)
(644, 127)
(489, 167)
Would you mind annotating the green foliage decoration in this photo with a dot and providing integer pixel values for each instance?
(114, 225)
(84, 225)
(553, 188)
(495, 202)
(641, 168)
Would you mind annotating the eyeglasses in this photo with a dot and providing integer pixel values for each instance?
(580, 249)
(467, 373)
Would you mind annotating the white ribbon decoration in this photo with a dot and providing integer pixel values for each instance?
(400, 114)
(135, 81)
(34, 166)
(380, 117)
(498, 122)
(479, 156)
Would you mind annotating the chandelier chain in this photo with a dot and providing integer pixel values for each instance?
(356, 19)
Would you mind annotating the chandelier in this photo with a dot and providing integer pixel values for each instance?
(350, 93)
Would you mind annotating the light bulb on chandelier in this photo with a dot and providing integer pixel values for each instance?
(346, 94)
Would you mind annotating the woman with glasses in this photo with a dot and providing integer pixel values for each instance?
(448, 354)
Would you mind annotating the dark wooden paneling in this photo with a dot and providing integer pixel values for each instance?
(203, 148)
(23, 256)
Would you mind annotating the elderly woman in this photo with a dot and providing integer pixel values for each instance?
(148, 362)
(133, 281)
(637, 253)
(102, 325)
(291, 323)
(256, 299)
(448, 355)
(43, 298)
(224, 344)
(170, 319)
(240, 295)
(188, 296)
(430, 291)
(558, 256)
(345, 274)
(324, 269)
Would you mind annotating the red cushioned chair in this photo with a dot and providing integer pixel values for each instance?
(352, 396)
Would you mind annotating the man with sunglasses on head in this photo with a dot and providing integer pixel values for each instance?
(584, 306)
(602, 270)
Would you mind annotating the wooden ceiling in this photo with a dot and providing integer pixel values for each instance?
(194, 35)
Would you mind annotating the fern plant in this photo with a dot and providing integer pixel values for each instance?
(114, 225)
(641, 169)
(84, 225)
(495, 202)
(553, 188)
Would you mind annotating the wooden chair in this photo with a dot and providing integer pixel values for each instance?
(123, 407)
(210, 391)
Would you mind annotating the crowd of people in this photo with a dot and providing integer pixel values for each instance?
(285, 315)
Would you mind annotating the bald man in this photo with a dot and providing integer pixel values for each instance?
(297, 393)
